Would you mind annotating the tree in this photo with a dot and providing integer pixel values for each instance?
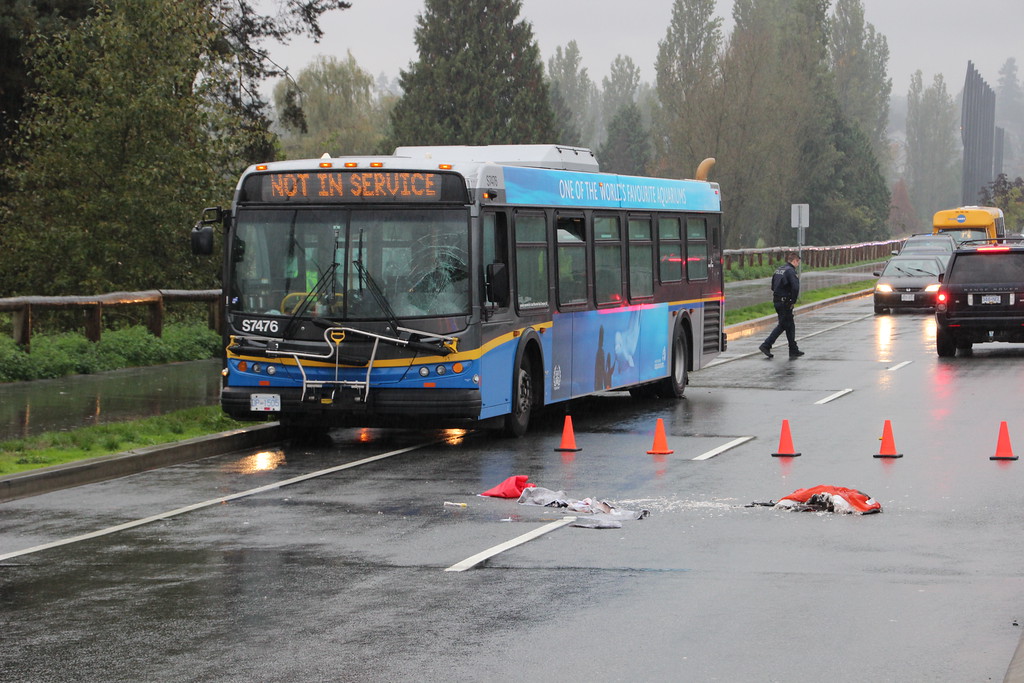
(340, 111)
(578, 95)
(1010, 116)
(626, 149)
(139, 115)
(620, 87)
(19, 20)
(479, 78)
(1008, 196)
(687, 86)
(859, 60)
(238, 66)
(933, 155)
(114, 159)
(902, 217)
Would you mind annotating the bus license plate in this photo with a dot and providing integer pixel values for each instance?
(265, 403)
(907, 297)
(991, 299)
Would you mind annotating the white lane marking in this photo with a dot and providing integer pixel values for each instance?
(722, 449)
(209, 503)
(838, 394)
(471, 562)
(900, 365)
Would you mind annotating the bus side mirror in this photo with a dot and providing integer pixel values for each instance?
(202, 232)
(202, 239)
(497, 284)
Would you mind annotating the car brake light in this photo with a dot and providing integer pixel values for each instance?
(941, 297)
(998, 248)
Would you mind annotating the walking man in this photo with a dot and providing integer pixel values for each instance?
(785, 291)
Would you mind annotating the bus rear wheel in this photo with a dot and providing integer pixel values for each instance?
(518, 419)
(674, 386)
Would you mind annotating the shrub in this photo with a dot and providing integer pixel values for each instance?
(70, 353)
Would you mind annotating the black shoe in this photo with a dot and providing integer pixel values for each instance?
(766, 350)
(796, 354)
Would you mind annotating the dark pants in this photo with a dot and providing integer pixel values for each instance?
(784, 309)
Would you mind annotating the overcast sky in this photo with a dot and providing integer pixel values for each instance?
(935, 36)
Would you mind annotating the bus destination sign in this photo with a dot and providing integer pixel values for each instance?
(356, 186)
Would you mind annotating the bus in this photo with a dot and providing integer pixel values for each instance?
(456, 285)
(970, 223)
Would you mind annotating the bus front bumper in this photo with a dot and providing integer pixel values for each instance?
(344, 407)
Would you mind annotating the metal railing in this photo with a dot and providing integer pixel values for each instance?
(23, 307)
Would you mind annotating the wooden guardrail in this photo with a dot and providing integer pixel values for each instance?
(22, 307)
(814, 257)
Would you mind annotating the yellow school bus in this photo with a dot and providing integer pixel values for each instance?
(970, 223)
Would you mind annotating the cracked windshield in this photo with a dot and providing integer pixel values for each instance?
(327, 262)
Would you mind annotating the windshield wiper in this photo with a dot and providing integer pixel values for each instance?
(415, 341)
(377, 294)
(318, 291)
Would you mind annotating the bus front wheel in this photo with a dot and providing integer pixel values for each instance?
(518, 419)
(674, 386)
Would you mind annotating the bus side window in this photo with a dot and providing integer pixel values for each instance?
(697, 249)
(531, 261)
(641, 263)
(572, 260)
(494, 232)
(670, 250)
(607, 260)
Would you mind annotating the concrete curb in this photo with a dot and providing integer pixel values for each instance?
(46, 479)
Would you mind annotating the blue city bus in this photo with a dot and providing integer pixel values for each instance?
(447, 286)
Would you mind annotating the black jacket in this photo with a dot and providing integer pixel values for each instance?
(786, 283)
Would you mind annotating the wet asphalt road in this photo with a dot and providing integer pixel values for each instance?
(341, 576)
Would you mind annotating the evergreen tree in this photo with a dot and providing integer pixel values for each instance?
(577, 94)
(688, 88)
(933, 152)
(620, 87)
(627, 148)
(859, 58)
(1010, 116)
(479, 78)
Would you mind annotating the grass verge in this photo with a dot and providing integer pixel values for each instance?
(741, 315)
(56, 448)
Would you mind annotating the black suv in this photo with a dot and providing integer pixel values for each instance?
(981, 298)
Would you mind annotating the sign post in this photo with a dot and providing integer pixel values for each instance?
(801, 215)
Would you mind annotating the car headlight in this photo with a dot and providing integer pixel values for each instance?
(934, 287)
(885, 289)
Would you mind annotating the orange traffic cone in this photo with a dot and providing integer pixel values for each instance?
(1003, 449)
(888, 449)
(785, 443)
(660, 445)
(568, 438)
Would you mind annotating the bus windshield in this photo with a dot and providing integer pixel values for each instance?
(302, 260)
